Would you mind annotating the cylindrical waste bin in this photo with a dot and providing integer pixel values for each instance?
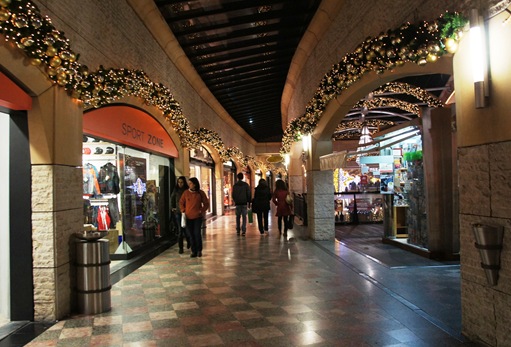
(388, 218)
(93, 276)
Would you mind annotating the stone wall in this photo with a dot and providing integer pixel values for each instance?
(485, 189)
(57, 211)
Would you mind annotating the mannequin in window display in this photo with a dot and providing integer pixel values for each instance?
(150, 207)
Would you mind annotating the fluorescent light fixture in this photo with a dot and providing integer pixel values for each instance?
(306, 142)
(478, 53)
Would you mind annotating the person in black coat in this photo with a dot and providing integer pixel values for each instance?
(261, 205)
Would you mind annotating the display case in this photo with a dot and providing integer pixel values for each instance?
(400, 224)
(358, 207)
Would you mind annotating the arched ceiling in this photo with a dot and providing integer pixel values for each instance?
(243, 49)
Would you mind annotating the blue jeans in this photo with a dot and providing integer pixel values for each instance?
(241, 212)
(194, 228)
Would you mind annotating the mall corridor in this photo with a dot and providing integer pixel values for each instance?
(269, 291)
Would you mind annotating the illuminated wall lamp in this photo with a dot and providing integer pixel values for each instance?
(478, 53)
(306, 145)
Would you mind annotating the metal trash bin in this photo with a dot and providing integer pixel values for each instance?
(93, 276)
(388, 218)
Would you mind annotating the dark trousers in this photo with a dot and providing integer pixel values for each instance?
(284, 219)
(194, 228)
(182, 232)
(262, 221)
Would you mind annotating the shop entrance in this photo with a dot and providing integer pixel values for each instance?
(16, 280)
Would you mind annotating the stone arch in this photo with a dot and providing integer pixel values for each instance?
(338, 107)
(31, 78)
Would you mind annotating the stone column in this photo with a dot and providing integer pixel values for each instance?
(295, 170)
(55, 128)
(320, 194)
(439, 150)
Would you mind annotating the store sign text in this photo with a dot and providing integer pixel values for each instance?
(138, 135)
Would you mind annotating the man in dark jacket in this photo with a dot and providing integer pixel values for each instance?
(241, 196)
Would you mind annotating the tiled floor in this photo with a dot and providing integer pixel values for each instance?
(269, 291)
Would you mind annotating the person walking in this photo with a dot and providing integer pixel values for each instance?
(261, 205)
(181, 186)
(241, 196)
(194, 203)
(284, 206)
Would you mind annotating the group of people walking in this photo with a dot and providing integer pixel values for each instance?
(260, 205)
(189, 200)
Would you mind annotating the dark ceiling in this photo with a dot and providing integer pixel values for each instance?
(242, 49)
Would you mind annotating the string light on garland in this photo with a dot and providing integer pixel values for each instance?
(408, 89)
(419, 44)
(351, 129)
(388, 102)
(22, 24)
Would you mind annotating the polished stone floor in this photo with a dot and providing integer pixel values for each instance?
(273, 291)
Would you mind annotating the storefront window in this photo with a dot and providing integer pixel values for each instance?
(202, 167)
(121, 190)
(228, 181)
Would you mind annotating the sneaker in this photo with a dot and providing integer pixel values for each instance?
(243, 234)
(193, 255)
(199, 254)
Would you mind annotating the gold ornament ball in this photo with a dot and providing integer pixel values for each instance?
(4, 14)
(36, 23)
(51, 51)
(450, 45)
(51, 71)
(36, 61)
(19, 21)
(65, 55)
(27, 41)
(431, 58)
(55, 61)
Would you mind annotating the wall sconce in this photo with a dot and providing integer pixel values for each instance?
(489, 243)
(478, 52)
(306, 145)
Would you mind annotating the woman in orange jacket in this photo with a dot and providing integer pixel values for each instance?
(194, 203)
